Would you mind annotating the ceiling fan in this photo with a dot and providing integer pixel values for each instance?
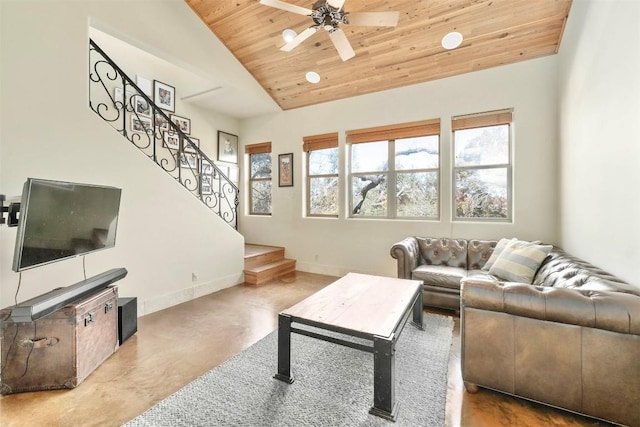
(329, 14)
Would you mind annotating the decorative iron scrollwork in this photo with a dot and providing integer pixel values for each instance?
(117, 100)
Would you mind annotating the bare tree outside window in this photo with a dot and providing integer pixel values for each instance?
(398, 178)
(260, 184)
(323, 183)
(482, 173)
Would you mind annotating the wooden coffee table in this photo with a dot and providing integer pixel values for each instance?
(370, 307)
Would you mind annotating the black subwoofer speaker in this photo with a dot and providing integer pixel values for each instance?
(127, 318)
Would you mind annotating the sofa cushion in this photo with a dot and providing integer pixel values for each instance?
(502, 243)
(519, 261)
(479, 252)
(450, 252)
(439, 275)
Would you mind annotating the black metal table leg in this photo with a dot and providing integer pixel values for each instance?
(418, 311)
(384, 404)
(284, 349)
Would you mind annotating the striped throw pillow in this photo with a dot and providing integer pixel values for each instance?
(502, 243)
(519, 261)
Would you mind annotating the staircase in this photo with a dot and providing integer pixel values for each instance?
(115, 98)
(264, 263)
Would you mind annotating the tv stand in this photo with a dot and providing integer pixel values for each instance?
(61, 349)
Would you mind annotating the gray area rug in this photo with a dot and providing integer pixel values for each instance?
(333, 385)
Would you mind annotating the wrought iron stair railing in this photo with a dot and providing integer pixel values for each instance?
(115, 98)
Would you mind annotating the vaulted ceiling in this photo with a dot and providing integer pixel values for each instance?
(496, 32)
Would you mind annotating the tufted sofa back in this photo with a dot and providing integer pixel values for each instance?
(449, 252)
(478, 252)
(561, 270)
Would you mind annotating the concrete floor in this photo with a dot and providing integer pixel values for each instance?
(177, 345)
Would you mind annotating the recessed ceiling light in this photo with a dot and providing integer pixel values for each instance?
(289, 35)
(452, 40)
(312, 77)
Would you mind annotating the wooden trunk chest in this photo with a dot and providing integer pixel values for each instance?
(61, 349)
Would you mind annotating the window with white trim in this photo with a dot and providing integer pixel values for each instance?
(482, 166)
(322, 175)
(259, 178)
(395, 171)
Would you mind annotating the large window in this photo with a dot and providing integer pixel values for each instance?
(259, 178)
(482, 166)
(394, 171)
(322, 174)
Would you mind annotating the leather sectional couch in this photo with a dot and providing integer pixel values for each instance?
(569, 339)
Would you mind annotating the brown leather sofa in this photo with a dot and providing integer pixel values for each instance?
(570, 339)
(441, 263)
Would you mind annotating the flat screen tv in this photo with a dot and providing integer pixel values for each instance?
(60, 220)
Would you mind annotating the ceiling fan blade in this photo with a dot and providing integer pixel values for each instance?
(336, 3)
(340, 41)
(299, 38)
(374, 19)
(286, 6)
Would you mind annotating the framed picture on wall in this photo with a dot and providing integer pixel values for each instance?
(161, 122)
(183, 123)
(187, 148)
(206, 167)
(141, 124)
(164, 96)
(285, 170)
(206, 186)
(227, 147)
(141, 106)
(190, 161)
(233, 174)
(145, 85)
(171, 140)
(121, 101)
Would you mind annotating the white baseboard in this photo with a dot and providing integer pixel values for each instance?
(329, 270)
(198, 290)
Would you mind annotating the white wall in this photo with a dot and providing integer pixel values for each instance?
(48, 131)
(336, 246)
(599, 100)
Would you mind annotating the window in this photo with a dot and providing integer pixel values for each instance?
(322, 174)
(482, 166)
(395, 170)
(259, 178)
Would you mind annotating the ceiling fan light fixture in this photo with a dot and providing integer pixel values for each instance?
(289, 35)
(312, 77)
(452, 40)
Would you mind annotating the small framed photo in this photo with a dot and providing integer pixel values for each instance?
(141, 106)
(205, 186)
(206, 167)
(144, 84)
(161, 122)
(227, 147)
(171, 140)
(186, 147)
(189, 160)
(183, 123)
(121, 101)
(285, 170)
(141, 124)
(233, 174)
(164, 96)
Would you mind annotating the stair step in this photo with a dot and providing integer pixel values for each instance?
(256, 255)
(269, 271)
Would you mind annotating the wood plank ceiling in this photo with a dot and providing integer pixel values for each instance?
(496, 32)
